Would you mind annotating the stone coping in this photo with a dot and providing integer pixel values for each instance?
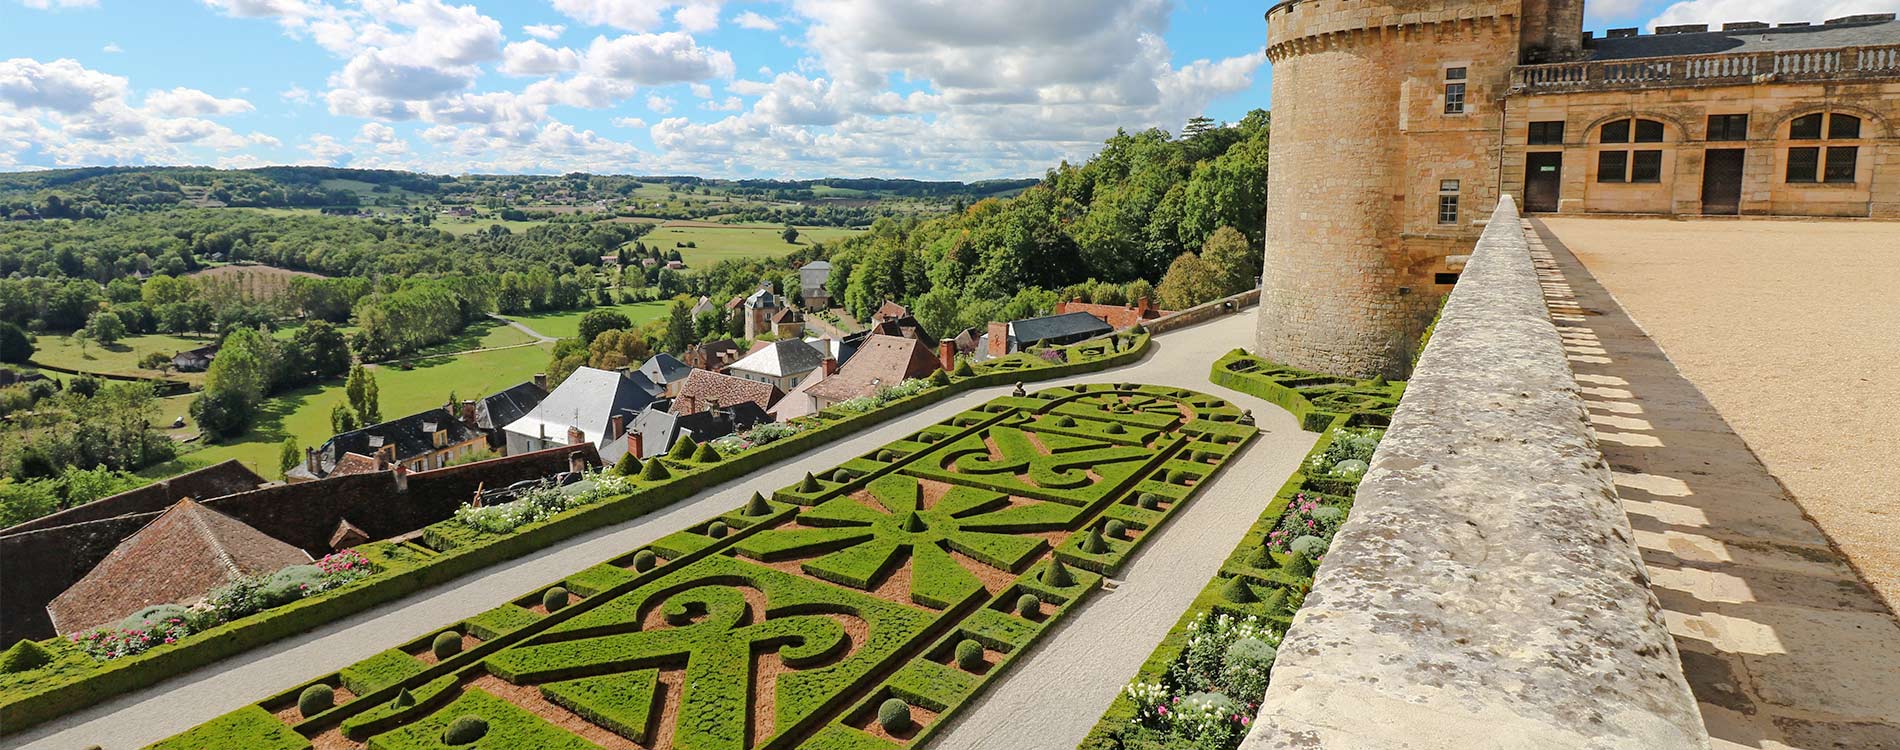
(1486, 589)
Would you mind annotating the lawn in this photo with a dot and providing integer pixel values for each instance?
(121, 358)
(459, 227)
(567, 324)
(305, 413)
(722, 242)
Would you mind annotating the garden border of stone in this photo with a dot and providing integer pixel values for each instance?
(917, 676)
(1284, 388)
(22, 709)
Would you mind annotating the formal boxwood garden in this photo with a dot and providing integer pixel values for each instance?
(68, 678)
(1202, 686)
(854, 609)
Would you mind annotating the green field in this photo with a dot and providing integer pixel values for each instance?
(562, 325)
(738, 241)
(305, 412)
(121, 358)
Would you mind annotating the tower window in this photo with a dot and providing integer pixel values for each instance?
(1455, 91)
(1448, 201)
(1549, 133)
(1728, 127)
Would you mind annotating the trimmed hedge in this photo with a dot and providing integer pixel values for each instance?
(385, 668)
(508, 726)
(248, 728)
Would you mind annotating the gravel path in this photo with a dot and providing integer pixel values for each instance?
(1092, 655)
(539, 337)
(1792, 330)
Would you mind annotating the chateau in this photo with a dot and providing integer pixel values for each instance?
(1398, 124)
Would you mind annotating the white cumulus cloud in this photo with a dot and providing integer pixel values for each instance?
(532, 58)
(184, 102)
(754, 21)
(656, 59)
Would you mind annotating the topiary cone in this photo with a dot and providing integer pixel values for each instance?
(1058, 575)
(23, 656)
(1238, 592)
(912, 522)
(1093, 544)
(683, 448)
(628, 465)
(809, 484)
(655, 471)
(404, 699)
(757, 506)
(1299, 566)
(707, 454)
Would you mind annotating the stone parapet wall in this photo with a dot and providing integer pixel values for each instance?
(1486, 589)
(1204, 312)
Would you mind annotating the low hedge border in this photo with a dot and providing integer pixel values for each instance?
(21, 710)
(1293, 390)
(1272, 585)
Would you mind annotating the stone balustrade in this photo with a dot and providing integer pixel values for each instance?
(1840, 63)
(1485, 590)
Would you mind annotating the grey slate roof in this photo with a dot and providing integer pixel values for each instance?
(1758, 40)
(412, 435)
(588, 399)
(782, 358)
(498, 410)
(1058, 329)
(665, 368)
(659, 427)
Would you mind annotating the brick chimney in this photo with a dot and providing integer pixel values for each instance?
(310, 462)
(382, 459)
(830, 366)
(541, 380)
(401, 475)
(999, 339)
(617, 426)
(947, 354)
(468, 413)
(575, 436)
(636, 445)
(576, 462)
(1143, 307)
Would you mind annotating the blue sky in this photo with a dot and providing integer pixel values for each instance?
(963, 89)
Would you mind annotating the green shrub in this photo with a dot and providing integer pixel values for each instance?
(809, 484)
(1028, 605)
(655, 471)
(1308, 546)
(716, 530)
(554, 599)
(315, 699)
(912, 523)
(707, 454)
(970, 654)
(894, 715)
(1246, 666)
(1092, 543)
(683, 448)
(1238, 592)
(404, 699)
(887, 455)
(964, 369)
(1329, 515)
(1065, 421)
(757, 506)
(464, 730)
(1058, 575)
(939, 378)
(23, 656)
(1352, 469)
(628, 465)
(1116, 529)
(1298, 565)
(1150, 500)
(644, 560)
(446, 644)
(1115, 428)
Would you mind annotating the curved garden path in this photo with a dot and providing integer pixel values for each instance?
(1061, 688)
(539, 337)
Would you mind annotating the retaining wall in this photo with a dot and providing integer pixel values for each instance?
(1204, 312)
(1485, 590)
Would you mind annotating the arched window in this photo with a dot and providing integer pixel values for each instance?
(1629, 164)
(1835, 155)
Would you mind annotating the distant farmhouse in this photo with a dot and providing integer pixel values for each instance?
(195, 360)
(812, 278)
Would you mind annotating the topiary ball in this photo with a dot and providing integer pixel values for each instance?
(315, 699)
(465, 730)
(970, 655)
(1116, 529)
(894, 715)
(1150, 500)
(446, 644)
(888, 455)
(644, 560)
(1028, 605)
(1115, 428)
(554, 599)
(716, 530)
(1065, 421)
(842, 475)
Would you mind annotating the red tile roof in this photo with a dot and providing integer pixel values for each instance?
(881, 361)
(703, 387)
(176, 559)
(1117, 316)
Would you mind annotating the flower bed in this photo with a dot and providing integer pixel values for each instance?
(70, 680)
(798, 623)
(1201, 687)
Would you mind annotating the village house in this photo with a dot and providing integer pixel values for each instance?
(812, 278)
(421, 441)
(592, 406)
(195, 360)
(711, 355)
(664, 371)
(705, 388)
(665, 421)
(778, 363)
(759, 309)
(1118, 317)
(880, 362)
(495, 411)
(1004, 339)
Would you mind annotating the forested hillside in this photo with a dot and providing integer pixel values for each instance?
(1146, 212)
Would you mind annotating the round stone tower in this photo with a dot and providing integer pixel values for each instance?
(1382, 109)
